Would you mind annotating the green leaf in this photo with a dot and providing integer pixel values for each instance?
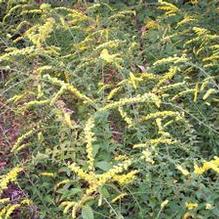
(103, 165)
(96, 148)
(104, 192)
(87, 212)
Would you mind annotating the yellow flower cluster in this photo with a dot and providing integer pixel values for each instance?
(13, 52)
(4, 200)
(149, 76)
(208, 93)
(121, 157)
(110, 174)
(211, 58)
(90, 138)
(125, 116)
(186, 20)
(200, 31)
(36, 103)
(58, 94)
(155, 142)
(17, 146)
(81, 173)
(170, 9)
(68, 87)
(125, 179)
(9, 208)
(122, 14)
(183, 170)
(83, 45)
(169, 75)
(16, 98)
(196, 90)
(164, 203)
(171, 86)
(47, 174)
(63, 182)
(202, 35)
(151, 24)
(38, 34)
(133, 80)
(96, 181)
(44, 68)
(9, 177)
(183, 93)
(162, 114)
(107, 57)
(113, 92)
(147, 156)
(67, 119)
(207, 165)
(31, 12)
(161, 130)
(150, 97)
(109, 44)
(194, 2)
(119, 197)
(79, 204)
(174, 59)
(191, 205)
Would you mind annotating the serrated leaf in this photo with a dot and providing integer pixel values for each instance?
(87, 212)
(96, 148)
(103, 165)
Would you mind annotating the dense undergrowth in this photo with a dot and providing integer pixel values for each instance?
(116, 106)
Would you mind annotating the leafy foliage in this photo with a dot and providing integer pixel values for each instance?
(120, 102)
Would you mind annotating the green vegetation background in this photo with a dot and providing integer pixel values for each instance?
(109, 109)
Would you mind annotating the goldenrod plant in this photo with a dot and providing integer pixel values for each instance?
(116, 104)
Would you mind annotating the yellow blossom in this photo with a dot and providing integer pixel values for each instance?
(114, 171)
(47, 174)
(208, 206)
(162, 114)
(133, 80)
(68, 87)
(119, 197)
(151, 24)
(26, 201)
(183, 170)
(150, 97)
(125, 116)
(113, 92)
(9, 177)
(170, 9)
(21, 139)
(174, 59)
(121, 157)
(38, 34)
(63, 182)
(191, 205)
(154, 142)
(107, 57)
(164, 203)
(212, 164)
(10, 210)
(147, 156)
(90, 138)
(198, 170)
(82, 174)
(125, 179)
(194, 2)
(4, 200)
